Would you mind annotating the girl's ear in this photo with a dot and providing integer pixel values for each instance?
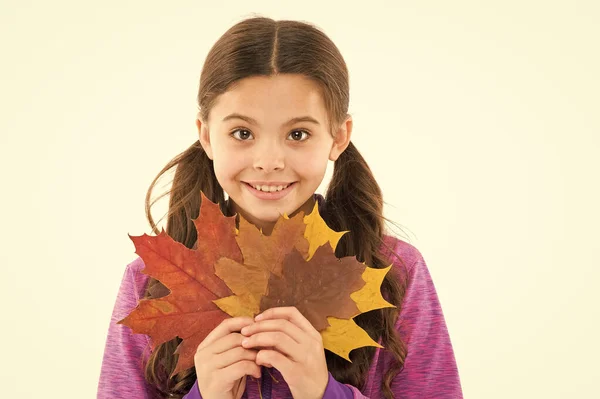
(204, 136)
(341, 139)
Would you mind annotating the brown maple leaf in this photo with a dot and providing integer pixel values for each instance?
(318, 288)
(188, 311)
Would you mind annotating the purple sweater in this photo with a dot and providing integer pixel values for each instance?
(430, 369)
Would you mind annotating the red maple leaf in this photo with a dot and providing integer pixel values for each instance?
(188, 311)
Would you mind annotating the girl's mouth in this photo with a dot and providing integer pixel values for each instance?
(270, 192)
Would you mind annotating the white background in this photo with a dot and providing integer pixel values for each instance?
(479, 120)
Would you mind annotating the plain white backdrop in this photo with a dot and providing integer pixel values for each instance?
(479, 120)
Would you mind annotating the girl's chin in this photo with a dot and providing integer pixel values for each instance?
(261, 214)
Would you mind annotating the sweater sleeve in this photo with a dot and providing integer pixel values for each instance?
(337, 390)
(194, 392)
(121, 374)
(430, 369)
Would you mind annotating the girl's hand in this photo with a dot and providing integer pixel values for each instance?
(288, 342)
(221, 362)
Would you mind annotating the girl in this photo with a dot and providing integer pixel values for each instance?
(273, 102)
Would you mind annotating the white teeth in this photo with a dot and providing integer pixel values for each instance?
(270, 189)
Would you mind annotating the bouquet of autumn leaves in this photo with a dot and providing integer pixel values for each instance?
(232, 272)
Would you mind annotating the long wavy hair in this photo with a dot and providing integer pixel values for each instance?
(260, 46)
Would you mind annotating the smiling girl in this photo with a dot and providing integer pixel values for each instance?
(273, 102)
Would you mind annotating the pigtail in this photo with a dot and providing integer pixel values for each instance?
(194, 173)
(354, 203)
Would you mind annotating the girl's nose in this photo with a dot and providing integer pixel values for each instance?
(269, 158)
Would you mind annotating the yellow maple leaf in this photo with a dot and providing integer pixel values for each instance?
(237, 306)
(369, 297)
(318, 233)
(344, 335)
(247, 282)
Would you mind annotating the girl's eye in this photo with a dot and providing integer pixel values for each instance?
(296, 135)
(245, 135)
(242, 137)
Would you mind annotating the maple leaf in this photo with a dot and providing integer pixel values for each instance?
(269, 251)
(318, 233)
(188, 310)
(261, 252)
(231, 272)
(369, 297)
(262, 256)
(344, 335)
(249, 284)
(319, 288)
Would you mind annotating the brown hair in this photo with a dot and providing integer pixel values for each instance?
(261, 46)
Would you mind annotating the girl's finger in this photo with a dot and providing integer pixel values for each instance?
(227, 342)
(233, 356)
(278, 340)
(227, 326)
(240, 388)
(292, 314)
(276, 359)
(283, 325)
(239, 370)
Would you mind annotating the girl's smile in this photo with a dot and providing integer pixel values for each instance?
(269, 191)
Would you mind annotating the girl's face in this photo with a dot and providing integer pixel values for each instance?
(269, 141)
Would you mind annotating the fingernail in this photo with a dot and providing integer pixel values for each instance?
(245, 341)
(259, 317)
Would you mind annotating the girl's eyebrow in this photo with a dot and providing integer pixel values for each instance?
(254, 122)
